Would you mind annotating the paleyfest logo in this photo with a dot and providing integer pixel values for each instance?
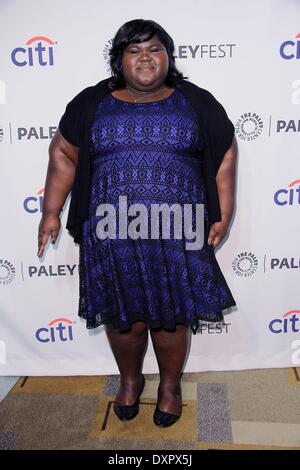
(38, 51)
(249, 126)
(192, 51)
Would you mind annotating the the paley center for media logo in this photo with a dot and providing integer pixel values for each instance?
(249, 126)
(7, 272)
(37, 51)
(245, 264)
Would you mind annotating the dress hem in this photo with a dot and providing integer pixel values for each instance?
(194, 324)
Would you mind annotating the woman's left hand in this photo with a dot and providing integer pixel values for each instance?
(217, 232)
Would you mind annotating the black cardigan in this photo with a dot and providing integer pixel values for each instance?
(216, 129)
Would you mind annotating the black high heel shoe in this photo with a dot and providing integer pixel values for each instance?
(128, 412)
(164, 419)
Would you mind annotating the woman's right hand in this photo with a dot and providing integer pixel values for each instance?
(49, 227)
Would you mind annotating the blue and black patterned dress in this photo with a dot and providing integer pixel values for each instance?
(150, 153)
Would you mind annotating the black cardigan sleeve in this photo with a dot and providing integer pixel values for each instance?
(219, 128)
(71, 122)
(217, 131)
(221, 134)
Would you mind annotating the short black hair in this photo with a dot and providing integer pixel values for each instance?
(139, 31)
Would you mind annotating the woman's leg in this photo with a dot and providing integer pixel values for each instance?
(129, 350)
(171, 351)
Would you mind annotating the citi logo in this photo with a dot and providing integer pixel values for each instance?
(57, 330)
(39, 51)
(287, 324)
(290, 196)
(290, 49)
(33, 204)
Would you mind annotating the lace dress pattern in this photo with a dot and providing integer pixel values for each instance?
(152, 154)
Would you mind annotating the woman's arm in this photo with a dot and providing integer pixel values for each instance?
(61, 170)
(226, 185)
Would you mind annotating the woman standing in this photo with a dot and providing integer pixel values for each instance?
(150, 135)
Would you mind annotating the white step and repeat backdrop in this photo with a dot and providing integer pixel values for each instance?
(248, 55)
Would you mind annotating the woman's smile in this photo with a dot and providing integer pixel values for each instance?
(145, 68)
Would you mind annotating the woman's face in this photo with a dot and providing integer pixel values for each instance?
(145, 64)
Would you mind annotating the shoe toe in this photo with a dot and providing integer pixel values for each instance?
(164, 419)
(126, 413)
